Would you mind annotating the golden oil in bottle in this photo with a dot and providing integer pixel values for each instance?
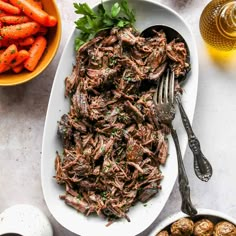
(218, 24)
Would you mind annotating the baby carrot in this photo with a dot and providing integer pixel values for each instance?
(9, 8)
(20, 30)
(36, 3)
(36, 51)
(13, 20)
(7, 57)
(3, 13)
(52, 21)
(7, 67)
(22, 55)
(37, 14)
(42, 30)
(18, 42)
(5, 42)
(26, 41)
(19, 68)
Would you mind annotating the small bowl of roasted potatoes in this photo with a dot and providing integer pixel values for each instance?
(206, 223)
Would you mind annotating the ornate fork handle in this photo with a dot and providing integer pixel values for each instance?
(187, 206)
(202, 166)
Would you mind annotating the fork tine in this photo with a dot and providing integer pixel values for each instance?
(166, 87)
(160, 91)
(155, 95)
(172, 87)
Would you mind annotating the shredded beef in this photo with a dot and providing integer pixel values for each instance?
(113, 142)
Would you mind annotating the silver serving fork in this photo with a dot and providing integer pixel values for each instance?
(202, 166)
(165, 110)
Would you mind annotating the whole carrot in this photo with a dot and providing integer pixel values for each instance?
(34, 12)
(7, 57)
(35, 53)
(20, 30)
(13, 20)
(9, 8)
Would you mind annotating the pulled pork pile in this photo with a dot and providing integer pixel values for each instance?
(112, 140)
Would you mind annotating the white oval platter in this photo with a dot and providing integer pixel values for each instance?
(148, 12)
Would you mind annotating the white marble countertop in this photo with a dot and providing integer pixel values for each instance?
(23, 109)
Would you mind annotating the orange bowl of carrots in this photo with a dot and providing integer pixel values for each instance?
(30, 33)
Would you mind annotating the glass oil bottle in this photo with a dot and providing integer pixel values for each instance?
(218, 24)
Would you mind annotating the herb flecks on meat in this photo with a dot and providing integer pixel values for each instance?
(113, 142)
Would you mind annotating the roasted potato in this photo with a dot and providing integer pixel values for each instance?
(203, 227)
(224, 228)
(163, 233)
(199, 227)
(182, 227)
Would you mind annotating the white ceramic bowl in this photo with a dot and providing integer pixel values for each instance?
(26, 220)
(214, 216)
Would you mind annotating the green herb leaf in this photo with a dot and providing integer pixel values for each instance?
(84, 9)
(115, 10)
(119, 15)
(78, 43)
(101, 10)
(107, 21)
(127, 11)
(82, 24)
(121, 24)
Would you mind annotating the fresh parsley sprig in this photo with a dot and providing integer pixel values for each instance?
(119, 15)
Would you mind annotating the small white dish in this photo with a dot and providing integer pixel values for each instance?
(24, 220)
(213, 215)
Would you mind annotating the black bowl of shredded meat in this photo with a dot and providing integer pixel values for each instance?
(113, 143)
